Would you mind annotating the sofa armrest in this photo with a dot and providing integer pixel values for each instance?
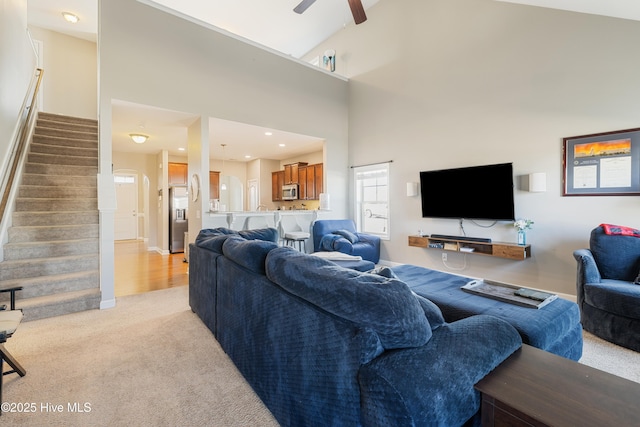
(334, 242)
(368, 247)
(588, 272)
(368, 238)
(416, 386)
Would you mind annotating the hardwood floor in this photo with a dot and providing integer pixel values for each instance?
(138, 270)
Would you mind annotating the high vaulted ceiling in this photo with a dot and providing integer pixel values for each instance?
(269, 23)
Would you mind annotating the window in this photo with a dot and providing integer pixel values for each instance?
(124, 179)
(372, 199)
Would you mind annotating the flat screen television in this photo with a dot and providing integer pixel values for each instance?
(476, 192)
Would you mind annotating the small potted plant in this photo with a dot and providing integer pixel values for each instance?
(522, 225)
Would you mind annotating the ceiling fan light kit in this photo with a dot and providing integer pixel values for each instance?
(357, 10)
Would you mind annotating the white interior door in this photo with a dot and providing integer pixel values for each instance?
(254, 196)
(126, 215)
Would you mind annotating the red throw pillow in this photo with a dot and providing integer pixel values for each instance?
(620, 230)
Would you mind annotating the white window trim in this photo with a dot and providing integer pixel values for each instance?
(356, 199)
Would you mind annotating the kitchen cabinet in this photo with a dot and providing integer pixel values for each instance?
(178, 173)
(318, 184)
(308, 177)
(291, 172)
(214, 185)
(277, 181)
(302, 183)
(311, 177)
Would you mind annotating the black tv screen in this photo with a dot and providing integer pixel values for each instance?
(477, 192)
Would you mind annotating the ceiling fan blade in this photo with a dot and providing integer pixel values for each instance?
(304, 5)
(357, 11)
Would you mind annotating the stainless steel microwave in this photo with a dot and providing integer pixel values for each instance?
(290, 192)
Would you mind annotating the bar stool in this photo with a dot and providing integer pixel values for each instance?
(299, 237)
(291, 233)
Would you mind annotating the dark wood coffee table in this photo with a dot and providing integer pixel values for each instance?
(536, 388)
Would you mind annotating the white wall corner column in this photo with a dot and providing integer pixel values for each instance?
(198, 161)
(106, 209)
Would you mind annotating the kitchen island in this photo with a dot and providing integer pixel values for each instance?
(249, 220)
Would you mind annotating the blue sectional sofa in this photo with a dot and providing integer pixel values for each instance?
(555, 328)
(323, 345)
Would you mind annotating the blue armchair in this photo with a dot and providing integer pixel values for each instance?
(341, 235)
(608, 292)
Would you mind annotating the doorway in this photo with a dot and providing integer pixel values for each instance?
(126, 215)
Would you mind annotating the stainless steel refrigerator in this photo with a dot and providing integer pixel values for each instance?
(178, 221)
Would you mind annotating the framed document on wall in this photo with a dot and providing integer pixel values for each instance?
(602, 164)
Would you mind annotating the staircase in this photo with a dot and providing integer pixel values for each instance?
(53, 243)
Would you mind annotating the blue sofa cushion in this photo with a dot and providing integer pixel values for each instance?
(250, 254)
(351, 237)
(433, 313)
(384, 272)
(614, 296)
(439, 391)
(213, 238)
(213, 243)
(540, 328)
(266, 234)
(330, 242)
(385, 305)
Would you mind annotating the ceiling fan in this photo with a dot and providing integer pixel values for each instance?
(357, 10)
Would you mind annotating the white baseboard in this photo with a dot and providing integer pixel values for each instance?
(107, 304)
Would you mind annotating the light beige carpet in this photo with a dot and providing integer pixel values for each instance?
(147, 362)
(611, 358)
(151, 362)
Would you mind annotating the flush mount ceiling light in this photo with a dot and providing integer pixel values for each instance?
(138, 138)
(70, 17)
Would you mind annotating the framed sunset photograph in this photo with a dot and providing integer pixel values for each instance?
(602, 164)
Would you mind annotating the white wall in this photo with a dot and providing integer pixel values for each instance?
(70, 83)
(18, 65)
(451, 83)
(153, 58)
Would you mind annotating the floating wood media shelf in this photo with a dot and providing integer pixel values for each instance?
(497, 249)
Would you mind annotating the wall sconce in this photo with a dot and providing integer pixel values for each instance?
(329, 60)
(138, 138)
(537, 182)
(412, 189)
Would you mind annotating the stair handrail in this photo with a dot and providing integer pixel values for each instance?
(20, 142)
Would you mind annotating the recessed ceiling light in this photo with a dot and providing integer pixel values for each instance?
(70, 17)
(268, 133)
(247, 156)
(282, 145)
(181, 149)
